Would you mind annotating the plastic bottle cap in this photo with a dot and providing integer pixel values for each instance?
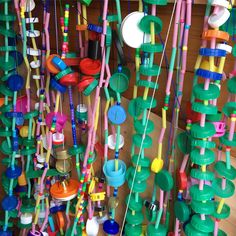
(50, 66)
(59, 63)
(225, 47)
(82, 108)
(116, 114)
(33, 52)
(35, 64)
(130, 27)
(157, 165)
(92, 227)
(85, 82)
(9, 203)
(111, 227)
(71, 79)
(15, 83)
(41, 158)
(112, 141)
(89, 66)
(26, 218)
(218, 19)
(220, 3)
(164, 180)
(28, 5)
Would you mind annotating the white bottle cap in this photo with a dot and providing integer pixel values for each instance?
(26, 218)
(29, 5)
(33, 34)
(92, 227)
(82, 108)
(112, 142)
(35, 64)
(225, 47)
(218, 19)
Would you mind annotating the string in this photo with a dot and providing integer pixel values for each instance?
(148, 115)
(56, 29)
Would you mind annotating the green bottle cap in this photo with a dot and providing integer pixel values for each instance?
(164, 180)
(160, 231)
(108, 36)
(26, 152)
(182, 211)
(202, 132)
(231, 84)
(133, 204)
(223, 193)
(229, 108)
(207, 207)
(139, 127)
(203, 143)
(215, 117)
(183, 142)
(119, 82)
(134, 230)
(198, 174)
(5, 149)
(28, 205)
(90, 88)
(7, 161)
(151, 215)
(221, 169)
(133, 109)
(126, 71)
(206, 159)
(143, 162)
(28, 142)
(146, 21)
(199, 92)
(6, 121)
(87, 3)
(152, 48)
(201, 195)
(146, 143)
(138, 187)
(225, 212)
(140, 175)
(204, 109)
(76, 150)
(146, 104)
(8, 17)
(221, 233)
(224, 140)
(155, 70)
(23, 226)
(190, 231)
(135, 219)
(7, 65)
(205, 226)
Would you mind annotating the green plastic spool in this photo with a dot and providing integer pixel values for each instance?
(198, 174)
(164, 180)
(231, 85)
(229, 108)
(206, 159)
(119, 82)
(203, 132)
(190, 231)
(147, 103)
(182, 211)
(146, 21)
(215, 117)
(160, 231)
(225, 212)
(204, 109)
(205, 194)
(199, 92)
(155, 70)
(139, 127)
(203, 143)
(133, 204)
(221, 169)
(143, 162)
(227, 192)
(152, 48)
(135, 219)
(184, 142)
(205, 226)
(207, 207)
(137, 141)
(224, 140)
(134, 230)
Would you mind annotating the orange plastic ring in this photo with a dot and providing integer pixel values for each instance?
(60, 220)
(49, 65)
(210, 34)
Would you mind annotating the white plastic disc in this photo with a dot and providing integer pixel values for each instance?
(29, 5)
(220, 3)
(40, 158)
(35, 64)
(33, 52)
(82, 108)
(225, 47)
(36, 76)
(218, 19)
(92, 227)
(26, 218)
(33, 34)
(112, 142)
(132, 35)
(32, 20)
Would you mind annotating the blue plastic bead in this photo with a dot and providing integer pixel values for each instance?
(20, 121)
(208, 52)
(13, 174)
(9, 203)
(17, 56)
(116, 114)
(95, 28)
(59, 63)
(55, 85)
(15, 82)
(5, 233)
(111, 227)
(209, 74)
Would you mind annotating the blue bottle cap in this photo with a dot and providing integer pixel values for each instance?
(15, 82)
(209, 74)
(5, 233)
(116, 114)
(9, 203)
(55, 209)
(55, 85)
(13, 174)
(20, 121)
(208, 52)
(59, 63)
(111, 227)
(17, 56)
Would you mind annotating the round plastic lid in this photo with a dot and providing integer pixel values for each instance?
(182, 211)
(9, 203)
(111, 227)
(164, 180)
(15, 82)
(92, 227)
(50, 66)
(130, 27)
(89, 66)
(112, 141)
(70, 80)
(160, 231)
(116, 114)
